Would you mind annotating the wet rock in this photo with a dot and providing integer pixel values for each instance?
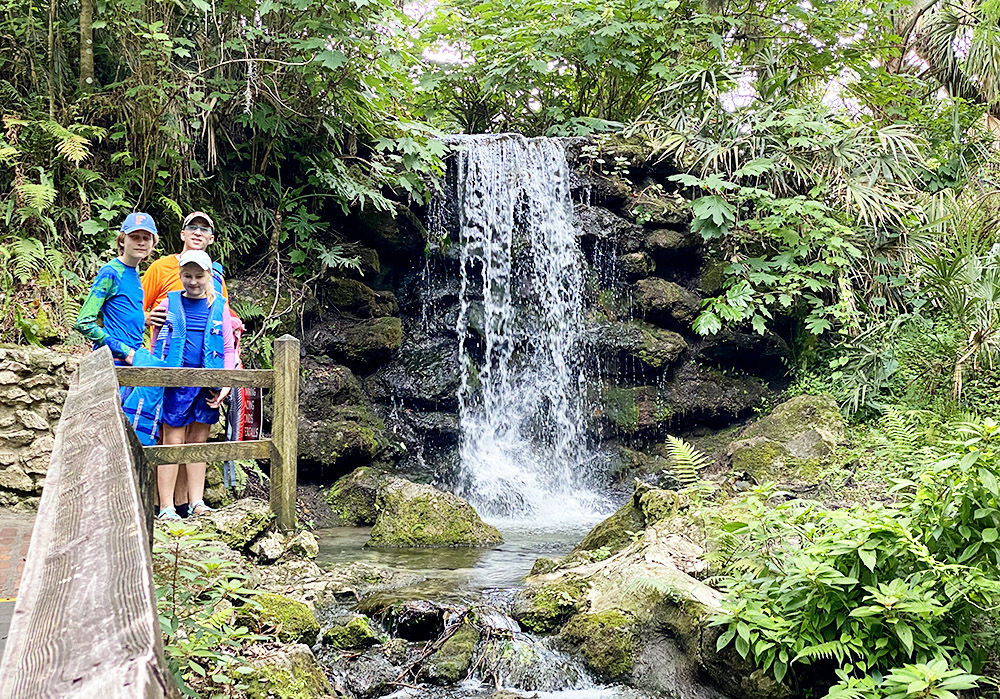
(702, 394)
(414, 620)
(303, 544)
(622, 348)
(597, 223)
(351, 436)
(452, 661)
(359, 344)
(237, 525)
(754, 353)
(353, 297)
(352, 498)
(397, 235)
(667, 304)
(422, 376)
(354, 633)
(636, 265)
(660, 209)
(325, 386)
(289, 672)
(412, 514)
(651, 467)
(646, 507)
(371, 673)
(668, 244)
(788, 445)
(620, 633)
(712, 277)
(291, 620)
(546, 607)
(306, 582)
(606, 639)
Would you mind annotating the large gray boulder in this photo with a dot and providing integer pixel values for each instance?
(361, 344)
(421, 376)
(624, 347)
(667, 304)
(416, 515)
(352, 498)
(788, 446)
(597, 223)
(239, 524)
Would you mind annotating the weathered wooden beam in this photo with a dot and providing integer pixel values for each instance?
(172, 377)
(285, 430)
(210, 451)
(85, 623)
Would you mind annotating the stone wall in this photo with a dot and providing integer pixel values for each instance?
(33, 385)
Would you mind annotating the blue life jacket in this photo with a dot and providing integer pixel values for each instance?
(142, 405)
(217, 277)
(170, 341)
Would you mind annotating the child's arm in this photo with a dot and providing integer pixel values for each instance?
(86, 322)
(228, 341)
(155, 330)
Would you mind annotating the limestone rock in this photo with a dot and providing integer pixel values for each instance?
(597, 223)
(451, 662)
(289, 672)
(544, 608)
(667, 304)
(788, 445)
(670, 210)
(623, 346)
(646, 507)
(291, 620)
(325, 386)
(353, 633)
(306, 582)
(354, 297)
(607, 641)
(667, 244)
(412, 514)
(414, 620)
(239, 524)
(397, 235)
(13, 478)
(360, 344)
(636, 265)
(352, 498)
(32, 420)
(269, 547)
(349, 437)
(422, 376)
(303, 544)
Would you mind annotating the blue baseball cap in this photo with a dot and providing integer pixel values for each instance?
(139, 222)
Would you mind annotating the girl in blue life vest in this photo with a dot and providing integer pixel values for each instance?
(198, 333)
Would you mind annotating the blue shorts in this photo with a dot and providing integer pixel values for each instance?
(182, 406)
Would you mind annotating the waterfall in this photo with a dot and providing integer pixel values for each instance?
(524, 449)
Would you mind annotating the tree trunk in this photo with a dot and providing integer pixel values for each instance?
(87, 45)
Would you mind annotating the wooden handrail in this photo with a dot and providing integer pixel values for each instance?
(175, 378)
(85, 623)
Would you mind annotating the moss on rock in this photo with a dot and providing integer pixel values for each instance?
(354, 635)
(413, 515)
(452, 661)
(613, 532)
(289, 673)
(543, 609)
(352, 498)
(294, 621)
(636, 265)
(354, 297)
(358, 343)
(352, 436)
(607, 641)
(666, 303)
(238, 524)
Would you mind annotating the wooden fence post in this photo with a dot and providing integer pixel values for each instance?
(285, 430)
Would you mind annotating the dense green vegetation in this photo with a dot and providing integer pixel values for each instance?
(839, 157)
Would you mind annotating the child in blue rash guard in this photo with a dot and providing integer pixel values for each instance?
(117, 294)
(197, 333)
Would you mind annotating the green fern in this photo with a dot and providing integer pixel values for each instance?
(685, 460)
(71, 146)
(247, 310)
(171, 206)
(27, 257)
(823, 651)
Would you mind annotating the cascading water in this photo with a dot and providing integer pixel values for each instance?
(524, 447)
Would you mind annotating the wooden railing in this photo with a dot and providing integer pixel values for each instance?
(281, 449)
(85, 623)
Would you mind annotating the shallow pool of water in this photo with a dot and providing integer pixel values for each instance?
(459, 574)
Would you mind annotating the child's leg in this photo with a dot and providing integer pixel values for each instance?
(197, 433)
(181, 488)
(166, 474)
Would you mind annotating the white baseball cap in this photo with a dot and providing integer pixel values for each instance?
(196, 257)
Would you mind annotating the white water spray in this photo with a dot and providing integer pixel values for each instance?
(524, 448)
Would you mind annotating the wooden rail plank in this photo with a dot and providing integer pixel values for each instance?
(176, 377)
(85, 623)
(285, 430)
(210, 451)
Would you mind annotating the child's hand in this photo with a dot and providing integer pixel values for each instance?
(156, 317)
(216, 400)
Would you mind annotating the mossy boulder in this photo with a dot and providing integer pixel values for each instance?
(545, 608)
(422, 376)
(624, 347)
(353, 297)
(293, 621)
(667, 304)
(238, 524)
(636, 265)
(788, 446)
(325, 386)
(216, 493)
(358, 343)
(352, 498)
(631, 410)
(647, 506)
(607, 641)
(596, 223)
(350, 437)
(452, 661)
(649, 467)
(355, 634)
(289, 672)
(414, 515)
(670, 246)
(659, 210)
(397, 234)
